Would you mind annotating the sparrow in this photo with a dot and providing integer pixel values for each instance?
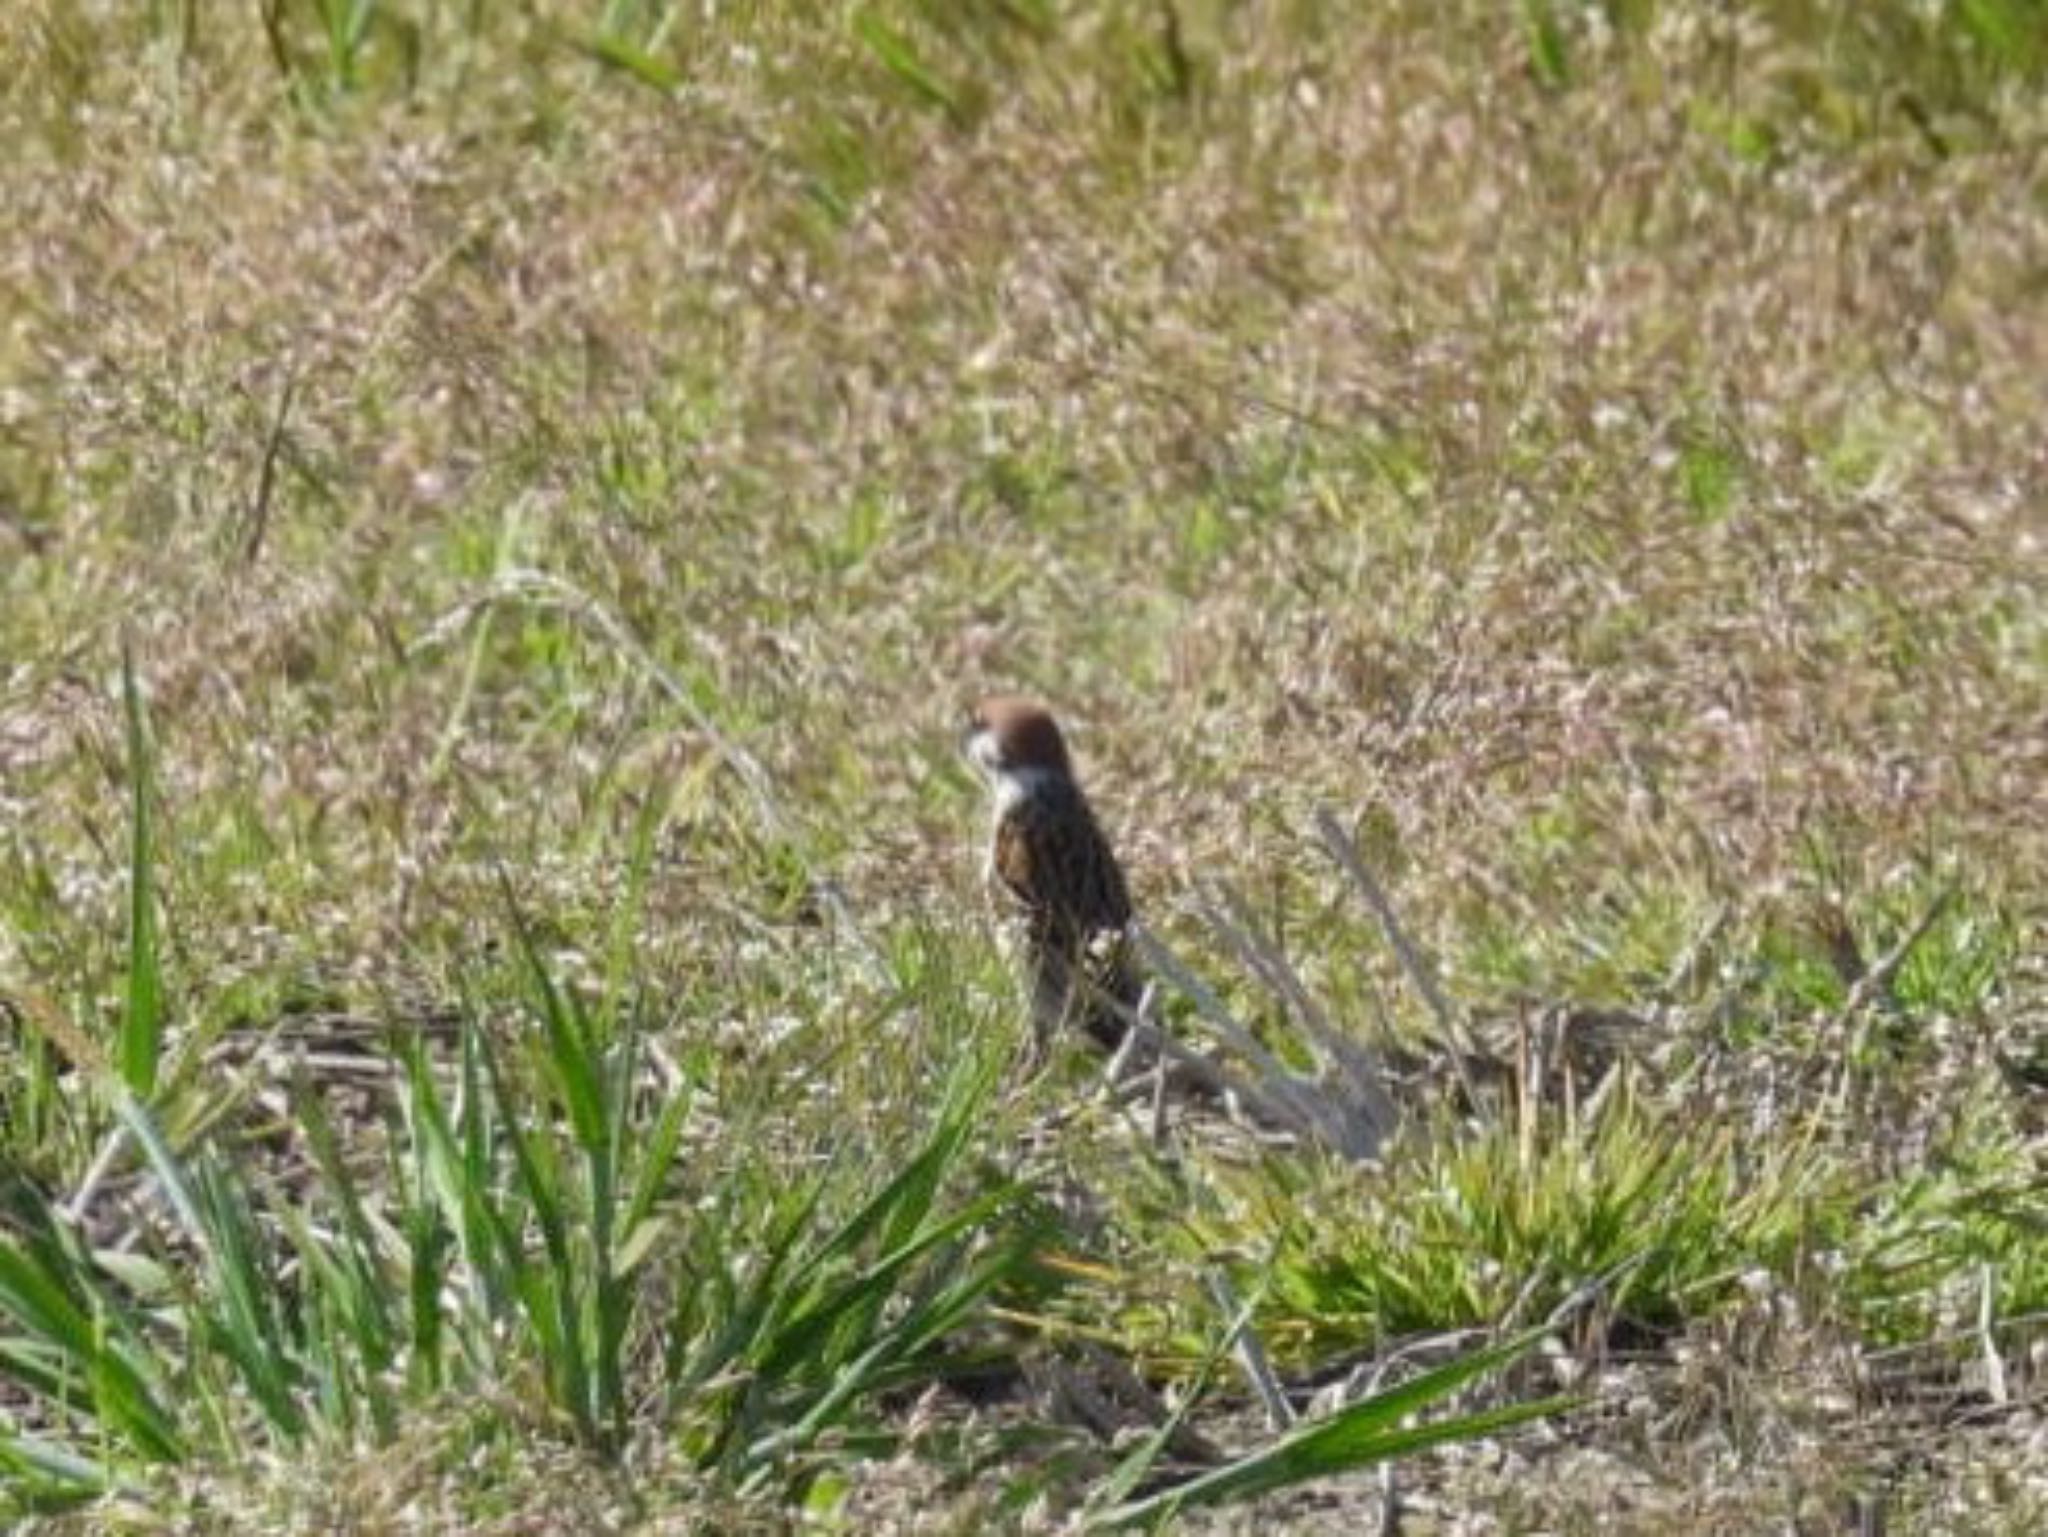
(1051, 871)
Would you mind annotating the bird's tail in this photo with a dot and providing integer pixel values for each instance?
(1095, 991)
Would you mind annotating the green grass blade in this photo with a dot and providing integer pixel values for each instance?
(852, 1307)
(1306, 1456)
(654, 1166)
(572, 1053)
(45, 1289)
(894, 52)
(918, 1328)
(39, 1476)
(1549, 54)
(217, 1213)
(551, 1290)
(627, 57)
(1364, 1433)
(901, 1205)
(142, 1024)
(1129, 1473)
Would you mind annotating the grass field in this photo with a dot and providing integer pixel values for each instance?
(502, 508)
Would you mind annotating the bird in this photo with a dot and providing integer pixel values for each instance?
(1051, 872)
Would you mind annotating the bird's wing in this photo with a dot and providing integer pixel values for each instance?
(1052, 861)
(1052, 858)
(1012, 862)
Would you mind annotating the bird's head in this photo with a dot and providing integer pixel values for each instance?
(1015, 741)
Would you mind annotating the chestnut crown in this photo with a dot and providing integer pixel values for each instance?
(1008, 734)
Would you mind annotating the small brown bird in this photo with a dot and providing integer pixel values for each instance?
(1051, 867)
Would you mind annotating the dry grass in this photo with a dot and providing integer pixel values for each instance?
(1621, 497)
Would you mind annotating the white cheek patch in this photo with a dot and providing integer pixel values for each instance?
(1019, 784)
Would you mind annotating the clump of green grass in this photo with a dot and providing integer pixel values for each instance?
(540, 1231)
(1459, 1226)
(540, 1227)
(1467, 1227)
